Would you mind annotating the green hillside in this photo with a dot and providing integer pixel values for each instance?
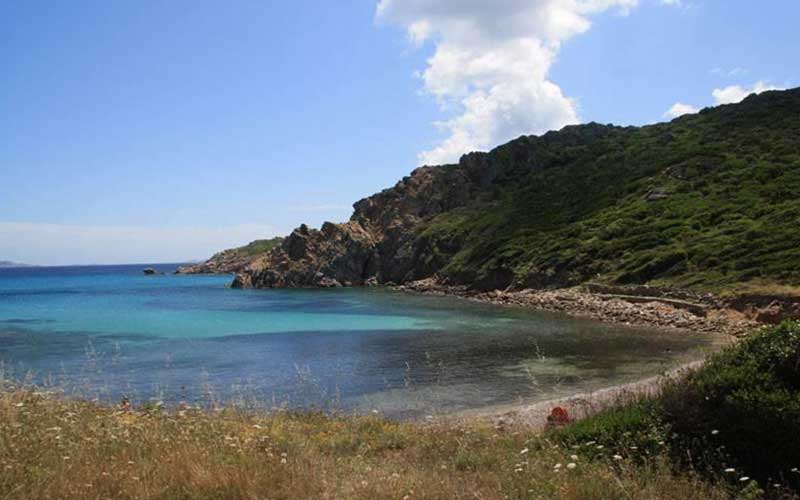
(707, 201)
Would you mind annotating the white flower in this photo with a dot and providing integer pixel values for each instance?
(571, 465)
(557, 466)
(744, 478)
(617, 457)
(730, 470)
(574, 457)
(714, 432)
(524, 451)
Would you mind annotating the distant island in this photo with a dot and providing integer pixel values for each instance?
(4, 264)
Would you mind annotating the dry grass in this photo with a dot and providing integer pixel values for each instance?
(62, 449)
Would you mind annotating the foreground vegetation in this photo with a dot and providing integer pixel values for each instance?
(59, 449)
(705, 437)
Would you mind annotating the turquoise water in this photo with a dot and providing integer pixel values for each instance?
(110, 331)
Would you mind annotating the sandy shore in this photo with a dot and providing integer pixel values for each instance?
(579, 406)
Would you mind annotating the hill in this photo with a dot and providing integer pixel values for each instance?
(232, 259)
(708, 201)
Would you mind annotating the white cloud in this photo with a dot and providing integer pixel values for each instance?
(492, 61)
(736, 93)
(680, 109)
(57, 244)
(673, 3)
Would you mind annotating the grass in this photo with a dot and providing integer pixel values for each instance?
(61, 449)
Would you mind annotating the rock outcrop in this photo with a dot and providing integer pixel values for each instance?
(380, 244)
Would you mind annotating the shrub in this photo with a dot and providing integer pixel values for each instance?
(743, 408)
(739, 413)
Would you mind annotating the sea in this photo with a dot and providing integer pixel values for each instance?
(109, 333)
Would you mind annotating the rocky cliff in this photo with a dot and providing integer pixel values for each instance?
(705, 201)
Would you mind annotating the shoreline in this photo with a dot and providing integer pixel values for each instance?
(579, 406)
(703, 315)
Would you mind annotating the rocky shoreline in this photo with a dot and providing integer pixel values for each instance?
(707, 314)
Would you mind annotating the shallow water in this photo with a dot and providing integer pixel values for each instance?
(110, 331)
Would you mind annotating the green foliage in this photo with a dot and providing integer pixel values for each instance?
(707, 201)
(258, 247)
(745, 406)
(739, 415)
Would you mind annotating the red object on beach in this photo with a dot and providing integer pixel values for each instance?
(558, 416)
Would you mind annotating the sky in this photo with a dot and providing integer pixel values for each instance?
(154, 131)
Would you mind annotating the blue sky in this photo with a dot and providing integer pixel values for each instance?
(143, 131)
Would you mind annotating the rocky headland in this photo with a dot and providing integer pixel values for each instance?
(705, 203)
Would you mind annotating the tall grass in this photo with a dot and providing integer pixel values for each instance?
(65, 449)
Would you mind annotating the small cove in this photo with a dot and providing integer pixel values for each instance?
(106, 332)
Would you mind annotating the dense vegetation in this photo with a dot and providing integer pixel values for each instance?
(737, 417)
(708, 201)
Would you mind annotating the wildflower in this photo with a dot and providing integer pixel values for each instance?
(557, 466)
(714, 432)
(574, 457)
(524, 451)
(283, 460)
(744, 479)
(19, 405)
(617, 457)
(634, 448)
(395, 475)
(364, 484)
(599, 447)
(571, 465)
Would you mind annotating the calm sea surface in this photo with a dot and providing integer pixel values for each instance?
(109, 331)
